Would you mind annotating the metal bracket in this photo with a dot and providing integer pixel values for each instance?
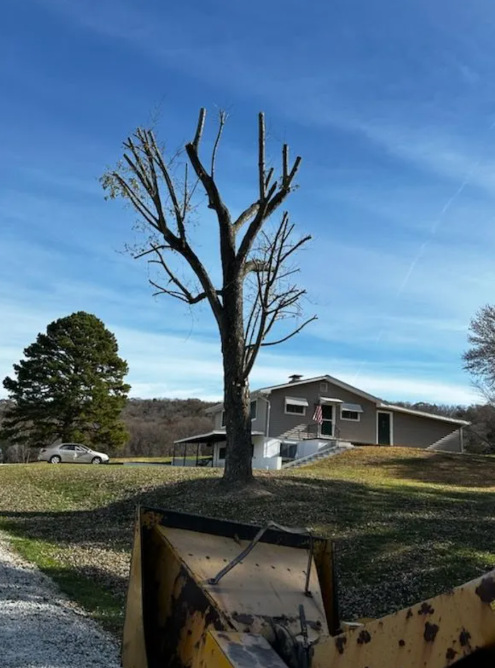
(271, 525)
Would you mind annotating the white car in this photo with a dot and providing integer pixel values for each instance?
(72, 453)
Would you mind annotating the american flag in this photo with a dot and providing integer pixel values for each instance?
(318, 415)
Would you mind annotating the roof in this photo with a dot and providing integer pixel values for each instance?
(214, 436)
(315, 379)
(411, 411)
(305, 381)
(350, 388)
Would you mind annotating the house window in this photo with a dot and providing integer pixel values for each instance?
(350, 412)
(295, 406)
(223, 419)
(323, 387)
(288, 450)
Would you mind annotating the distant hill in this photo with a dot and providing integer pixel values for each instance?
(154, 424)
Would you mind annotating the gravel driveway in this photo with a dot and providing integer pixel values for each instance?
(39, 628)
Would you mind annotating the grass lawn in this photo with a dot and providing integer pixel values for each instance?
(144, 460)
(407, 524)
(154, 460)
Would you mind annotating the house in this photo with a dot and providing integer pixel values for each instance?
(306, 416)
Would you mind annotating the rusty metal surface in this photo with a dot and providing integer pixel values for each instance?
(237, 650)
(177, 611)
(172, 613)
(268, 585)
(432, 634)
(325, 567)
(133, 642)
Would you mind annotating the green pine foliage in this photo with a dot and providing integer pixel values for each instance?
(69, 387)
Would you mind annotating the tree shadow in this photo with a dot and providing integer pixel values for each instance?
(394, 545)
(468, 471)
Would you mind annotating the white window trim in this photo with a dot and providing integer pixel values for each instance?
(391, 427)
(344, 419)
(303, 414)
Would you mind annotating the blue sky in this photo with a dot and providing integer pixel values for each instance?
(391, 105)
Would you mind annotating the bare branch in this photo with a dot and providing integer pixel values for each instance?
(177, 294)
(293, 171)
(257, 265)
(187, 295)
(148, 251)
(215, 201)
(183, 293)
(246, 215)
(285, 162)
(185, 202)
(289, 336)
(222, 117)
(261, 154)
(269, 177)
(155, 154)
(144, 156)
(268, 205)
(137, 165)
(274, 301)
(199, 128)
(137, 202)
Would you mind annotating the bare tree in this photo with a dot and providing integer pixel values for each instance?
(479, 360)
(256, 289)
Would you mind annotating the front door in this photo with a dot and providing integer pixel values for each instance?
(327, 420)
(384, 428)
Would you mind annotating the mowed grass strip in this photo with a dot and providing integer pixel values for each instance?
(407, 524)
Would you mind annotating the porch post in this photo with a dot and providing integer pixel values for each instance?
(197, 453)
(184, 459)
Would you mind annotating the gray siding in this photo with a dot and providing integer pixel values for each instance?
(416, 431)
(260, 423)
(281, 424)
(257, 425)
(217, 417)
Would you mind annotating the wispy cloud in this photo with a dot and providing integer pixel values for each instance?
(167, 365)
(394, 124)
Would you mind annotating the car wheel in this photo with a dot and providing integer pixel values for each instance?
(96, 460)
(55, 459)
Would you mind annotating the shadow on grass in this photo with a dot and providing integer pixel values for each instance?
(443, 469)
(394, 545)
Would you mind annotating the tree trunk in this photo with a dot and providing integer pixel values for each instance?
(238, 459)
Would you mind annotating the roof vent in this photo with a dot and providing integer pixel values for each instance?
(295, 377)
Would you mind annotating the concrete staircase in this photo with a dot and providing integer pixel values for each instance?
(330, 450)
(449, 443)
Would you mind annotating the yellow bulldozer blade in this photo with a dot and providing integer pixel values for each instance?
(207, 593)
